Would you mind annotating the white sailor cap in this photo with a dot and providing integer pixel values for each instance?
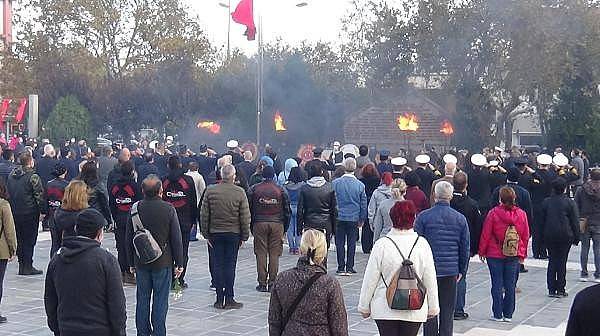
(498, 149)
(399, 161)
(478, 160)
(560, 160)
(422, 159)
(544, 159)
(494, 163)
(449, 158)
(232, 144)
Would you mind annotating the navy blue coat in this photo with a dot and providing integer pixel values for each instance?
(447, 232)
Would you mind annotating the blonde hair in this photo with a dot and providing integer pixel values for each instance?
(76, 196)
(398, 189)
(314, 246)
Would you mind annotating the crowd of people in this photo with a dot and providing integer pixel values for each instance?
(420, 217)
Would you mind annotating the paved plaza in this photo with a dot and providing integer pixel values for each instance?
(191, 311)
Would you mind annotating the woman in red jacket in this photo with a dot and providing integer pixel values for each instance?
(504, 269)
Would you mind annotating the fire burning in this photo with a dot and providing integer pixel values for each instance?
(279, 125)
(408, 122)
(447, 128)
(211, 126)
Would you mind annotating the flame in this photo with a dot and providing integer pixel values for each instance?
(447, 128)
(279, 125)
(408, 122)
(211, 126)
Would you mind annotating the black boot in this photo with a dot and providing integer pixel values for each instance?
(30, 270)
(21, 269)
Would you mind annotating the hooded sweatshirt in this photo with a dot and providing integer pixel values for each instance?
(283, 176)
(83, 291)
(382, 193)
(588, 202)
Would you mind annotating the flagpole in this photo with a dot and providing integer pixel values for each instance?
(228, 28)
(259, 98)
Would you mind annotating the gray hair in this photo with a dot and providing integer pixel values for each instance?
(49, 150)
(248, 155)
(350, 165)
(151, 185)
(443, 191)
(228, 173)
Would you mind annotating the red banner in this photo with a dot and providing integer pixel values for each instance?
(21, 110)
(244, 14)
(3, 111)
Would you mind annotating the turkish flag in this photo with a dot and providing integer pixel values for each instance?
(3, 110)
(244, 14)
(21, 110)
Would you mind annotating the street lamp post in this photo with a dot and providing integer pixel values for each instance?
(228, 6)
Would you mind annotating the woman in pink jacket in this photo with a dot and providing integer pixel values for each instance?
(504, 269)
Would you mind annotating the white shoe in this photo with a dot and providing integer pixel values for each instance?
(496, 319)
(597, 280)
(584, 279)
(507, 320)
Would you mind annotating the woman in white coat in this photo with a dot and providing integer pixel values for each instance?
(384, 262)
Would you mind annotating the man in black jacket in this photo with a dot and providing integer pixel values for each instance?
(26, 202)
(468, 207)
(270, 209)
(154, 280)
(83, 292)
(583, 320)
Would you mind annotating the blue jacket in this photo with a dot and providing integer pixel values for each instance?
(447, 232)
(351, 199)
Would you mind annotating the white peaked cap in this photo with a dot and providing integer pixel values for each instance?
(478, 160)
(232, 144)
(544, 159)
(560, 160)
(423, 159)
(399, 161)
(494, 163)
(449, 158)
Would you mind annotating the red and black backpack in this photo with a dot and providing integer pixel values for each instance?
(177, 192)
(124, 196)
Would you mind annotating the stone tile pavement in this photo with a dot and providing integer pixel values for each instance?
(191, 311)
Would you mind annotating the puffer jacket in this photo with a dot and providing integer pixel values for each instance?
(447, 232)
(321, 311)
(588, 202)
(317, 206)
(283, 176)
(351, 198)
(560, 220)
(382, 193)
(225, 210)
(494, 231)
(26, 192)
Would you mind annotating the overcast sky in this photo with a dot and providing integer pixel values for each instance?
(319, 21)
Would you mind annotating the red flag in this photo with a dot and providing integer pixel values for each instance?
(3, 110)
(21, 110)
(244, 14)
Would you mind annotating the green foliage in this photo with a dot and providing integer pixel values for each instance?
(68, 119)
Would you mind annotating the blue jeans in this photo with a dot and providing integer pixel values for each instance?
(224, 256)
(461, 294)
(504, 282)
(346, 233)
(292, 232)
(155, 285)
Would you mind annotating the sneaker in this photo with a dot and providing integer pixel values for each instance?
(507, 320)
(460, 316)
(212, 287)
(496, 319)
(3, 319)
(584, 279)
(232, 304)
(562, 294)
(553, 294)
(219, 305)
(262, 289)
(341, 272)
(597, 279)
(522, 269)
(352, 271)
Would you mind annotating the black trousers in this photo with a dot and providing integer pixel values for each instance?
(26, 227)
(3, 264)
(537, 236)
(225, 254)
(557, 267)
(397, 328)
(121, 240)
(443, 324)
(185, 240)
(366, 239)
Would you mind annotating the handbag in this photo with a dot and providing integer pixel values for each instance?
(406, 291)
(299, 298)
(144, 244)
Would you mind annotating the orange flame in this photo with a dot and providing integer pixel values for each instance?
(211, 126)
(447, 128)
(408, 122)
(279, 125)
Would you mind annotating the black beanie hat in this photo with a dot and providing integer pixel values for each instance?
(59, 169)
(89, 221)
(268, 172)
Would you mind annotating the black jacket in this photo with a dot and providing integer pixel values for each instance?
(183, 199)
(427, 177)
(98, 200)
(121, 197)
(541, 186)
(371, 184)
(247, 168)
(588, 202)
(560, 220)
(480, 187)
(468, 207)
(54, 193)
(317, 206)
(44, 168)
(83, 292)
(268, 202)
(160, 218)
(583, 320)
(26, 192)
(6, 167)
(72, 168)
(144, 170)
(62, 224)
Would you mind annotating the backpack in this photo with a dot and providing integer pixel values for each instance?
(177, 192)
(124, 195)
(145, 246)
(406, 291)
(510, 246)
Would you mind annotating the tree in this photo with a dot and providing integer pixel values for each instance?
(68, 119)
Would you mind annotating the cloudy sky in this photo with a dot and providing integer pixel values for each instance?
(320, 20)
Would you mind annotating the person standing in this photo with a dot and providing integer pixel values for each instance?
(248, 166)
(26, 202)
(560, 229)
(146, 168)
(447, 232)
(295, 182)
(541, 188)
(200, 187)
(383, 223)
(414, 192)
(8, 239)
(153, 280)
(270, 212)
(351, 201)
(179, 190)
(373, 300)
(370, 178)
(427, 173)
(97, 199)
(64, 219)
(503, 259)
(467, 206)
(225, 223)
(45, 165)
(579, 165)
(588, 203)
(83, 294)
(285, 174)
(449, 170)
(106, 163)
(583, 319)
